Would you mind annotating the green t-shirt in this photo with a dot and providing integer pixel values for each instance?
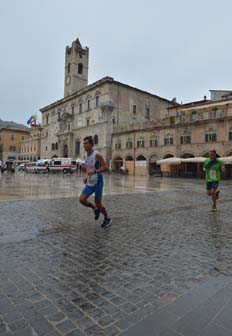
(213, 170)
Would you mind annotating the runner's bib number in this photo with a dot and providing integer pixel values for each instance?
(212, 174)
(92, 180)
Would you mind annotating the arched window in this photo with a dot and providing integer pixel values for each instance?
(53, 146)
(95, 139)
(210, 135)
(97, 101)
(194, 116)
(56, 145)
(88, 104)
(80, 68)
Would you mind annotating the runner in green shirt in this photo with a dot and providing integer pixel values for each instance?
(212, 168)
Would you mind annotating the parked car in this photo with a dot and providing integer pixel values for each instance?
(8, 166)
(21, 167)
(35, 167)
(156, 172)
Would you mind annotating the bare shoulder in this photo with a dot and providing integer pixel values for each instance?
(99, 157)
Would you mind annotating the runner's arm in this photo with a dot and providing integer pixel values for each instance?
(104, 167)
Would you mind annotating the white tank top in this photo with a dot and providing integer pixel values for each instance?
(90, 163)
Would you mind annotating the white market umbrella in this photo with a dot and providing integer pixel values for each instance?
(170, 161)
(194, 159)
(226, 159)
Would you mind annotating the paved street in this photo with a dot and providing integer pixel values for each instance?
(164, 267)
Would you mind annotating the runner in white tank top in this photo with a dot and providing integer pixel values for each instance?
(94, 166)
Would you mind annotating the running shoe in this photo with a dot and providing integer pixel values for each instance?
(217, 194)
(97, 213)
(107, 222)
(214, 209)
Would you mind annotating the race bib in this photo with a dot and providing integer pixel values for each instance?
(92, 180)
(212, 174)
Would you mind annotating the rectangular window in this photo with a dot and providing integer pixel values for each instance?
(229, 113)
(58, 117)
(88, 105)
(194, 116)
(210, 137)
(147, 113)
(12, 137)
(230, 135)
(205, 115)
(185, 139)
(118, 145)
(12, 148)
(87, 122)
(140, 144)
(134, 109)
(77, 147)
(80, 108)
(129, 144)
(168, 141)
(153, 142)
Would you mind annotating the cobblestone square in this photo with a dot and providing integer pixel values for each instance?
(62, 274)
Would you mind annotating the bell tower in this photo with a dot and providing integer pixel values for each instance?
(76, 68)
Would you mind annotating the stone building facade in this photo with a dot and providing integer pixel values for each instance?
(30, 147)
(187, 130)
(10, 143)
(96, 109)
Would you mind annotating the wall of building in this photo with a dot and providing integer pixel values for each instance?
(31, 147)
(197, 130)
(10, 143)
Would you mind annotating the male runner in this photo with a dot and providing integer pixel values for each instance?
(212, 167)
(94, 166)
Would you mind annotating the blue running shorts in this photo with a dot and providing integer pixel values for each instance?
(97, 189)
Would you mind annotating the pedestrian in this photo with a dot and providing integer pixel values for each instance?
(212, 167)
(94, 166)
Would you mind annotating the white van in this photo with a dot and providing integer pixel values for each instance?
(65, 165)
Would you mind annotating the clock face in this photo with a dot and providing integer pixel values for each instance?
(68, 80)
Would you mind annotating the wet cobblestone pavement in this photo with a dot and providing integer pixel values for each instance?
(61, 274)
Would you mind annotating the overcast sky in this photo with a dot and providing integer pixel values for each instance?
(172, 48)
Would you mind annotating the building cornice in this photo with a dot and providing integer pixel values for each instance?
(163, 127)
(187, 107)
(100, 82)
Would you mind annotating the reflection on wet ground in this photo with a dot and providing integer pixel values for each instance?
(40, 186)
(60, 272)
